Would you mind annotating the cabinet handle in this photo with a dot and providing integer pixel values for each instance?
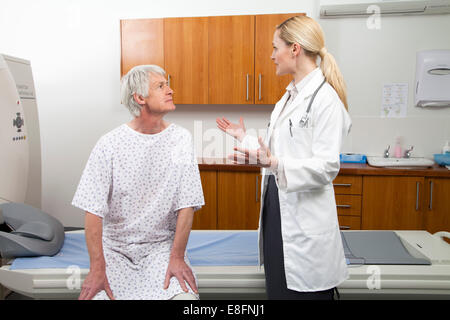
(168, 80)
(260, 86)
(342, 184)
(417, 196)
(247, 86)
(343, 206)
(344, 227)
(430, 206)
(256, 189)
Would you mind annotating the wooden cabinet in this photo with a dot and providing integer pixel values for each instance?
(392, 203)
(142, 43)
(364, 201)
(232, 200)
(206, 217)
(239, 200)
(269, 87)
(366, 198)
(209, 60)
(231, 59)
(186, 58)
(437, 205)
(348, 190)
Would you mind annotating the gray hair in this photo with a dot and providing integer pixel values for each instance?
(137, 81)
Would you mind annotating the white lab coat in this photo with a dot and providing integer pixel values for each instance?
(308, 163)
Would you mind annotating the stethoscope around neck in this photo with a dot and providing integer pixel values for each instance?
(305, 118)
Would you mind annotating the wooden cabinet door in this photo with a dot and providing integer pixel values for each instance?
(231, 59)
(238, 200)
(186, 58)
(437, 205)
(392, 203)
(269, 87)
(142, 42)
(206, 217)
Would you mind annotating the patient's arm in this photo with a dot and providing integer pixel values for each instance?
(96, 280)
(177, 266)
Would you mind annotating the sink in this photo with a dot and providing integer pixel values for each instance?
(399, 162)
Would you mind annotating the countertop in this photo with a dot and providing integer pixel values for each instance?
(346, 169)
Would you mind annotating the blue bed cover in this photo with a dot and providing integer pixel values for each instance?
(238, 248)
(227, 248)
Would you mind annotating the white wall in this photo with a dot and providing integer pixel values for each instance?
(74, 48)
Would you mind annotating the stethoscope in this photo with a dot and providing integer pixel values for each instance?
(305, 118)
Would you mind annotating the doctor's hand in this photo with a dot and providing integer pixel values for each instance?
(95, 282)
(179, 269)
(237, 131)
(261, 157)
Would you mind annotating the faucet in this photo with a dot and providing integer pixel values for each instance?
(407, 153)
(386, 152)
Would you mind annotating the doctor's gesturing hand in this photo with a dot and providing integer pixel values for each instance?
(260, 157)
(237, 131)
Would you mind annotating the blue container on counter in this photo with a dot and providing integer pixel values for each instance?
(352, 158)
(442, 159)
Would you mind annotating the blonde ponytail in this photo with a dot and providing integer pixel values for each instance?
(309, 35)
(333, 75)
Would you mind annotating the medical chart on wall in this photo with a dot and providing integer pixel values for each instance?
(395, 100)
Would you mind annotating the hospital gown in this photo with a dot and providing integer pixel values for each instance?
(137, 182)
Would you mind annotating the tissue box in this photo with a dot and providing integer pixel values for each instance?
(352, 158)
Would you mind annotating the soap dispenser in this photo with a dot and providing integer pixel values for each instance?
(446, 148)
(397, 149)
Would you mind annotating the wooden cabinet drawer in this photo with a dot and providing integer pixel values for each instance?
(347, 185)
(349, 223)
(348, 205)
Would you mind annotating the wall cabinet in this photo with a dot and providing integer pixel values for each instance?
(142, 42)
(269, 87)
(186, 58)
(231, 59)
(209, 60)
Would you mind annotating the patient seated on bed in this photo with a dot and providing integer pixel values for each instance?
(139, 189)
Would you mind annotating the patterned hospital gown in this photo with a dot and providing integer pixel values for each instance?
(136, 182)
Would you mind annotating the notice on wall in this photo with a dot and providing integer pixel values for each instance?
(395, 100)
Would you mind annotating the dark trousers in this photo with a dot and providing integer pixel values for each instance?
(276, 287)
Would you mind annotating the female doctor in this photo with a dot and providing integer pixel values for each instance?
(299, 238)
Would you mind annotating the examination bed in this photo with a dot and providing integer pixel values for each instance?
(381, 264)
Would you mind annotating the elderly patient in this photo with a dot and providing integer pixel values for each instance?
(140, 188)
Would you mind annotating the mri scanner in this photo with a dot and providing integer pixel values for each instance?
(382, 264)
(20, 161)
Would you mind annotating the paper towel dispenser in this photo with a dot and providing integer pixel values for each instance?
(433, 79)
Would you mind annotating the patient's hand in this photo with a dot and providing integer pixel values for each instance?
(95, 282)
(235, 130)
(179, 269)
